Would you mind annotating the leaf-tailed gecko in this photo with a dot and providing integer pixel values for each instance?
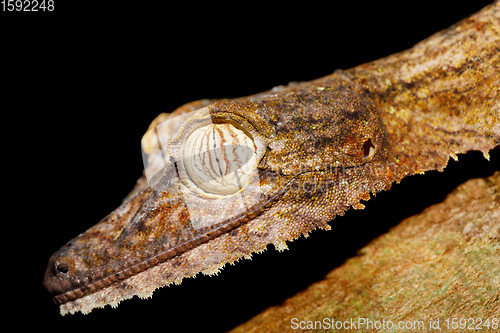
(226, 178)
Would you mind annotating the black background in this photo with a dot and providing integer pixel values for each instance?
(85, 81)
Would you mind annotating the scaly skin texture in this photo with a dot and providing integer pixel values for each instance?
(322, 147)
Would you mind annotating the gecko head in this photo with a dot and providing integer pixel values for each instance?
(209, 175)
(202, 180)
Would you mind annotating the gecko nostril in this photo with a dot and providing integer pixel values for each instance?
(368, 149)
(62, 268)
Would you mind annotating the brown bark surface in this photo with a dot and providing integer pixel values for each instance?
(440, 264)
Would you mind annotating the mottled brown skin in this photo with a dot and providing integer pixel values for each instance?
(326, 145)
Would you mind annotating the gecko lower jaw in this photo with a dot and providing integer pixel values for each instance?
(141, 266)
(135, 268)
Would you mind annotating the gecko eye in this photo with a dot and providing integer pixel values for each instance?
(368, 149)
(220, 158)
(62, 268)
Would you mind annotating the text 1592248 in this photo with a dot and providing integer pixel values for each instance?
(28, 5)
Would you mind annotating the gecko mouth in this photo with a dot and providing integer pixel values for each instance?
(62, 296)
(138, 267)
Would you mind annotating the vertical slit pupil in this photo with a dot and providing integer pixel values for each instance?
(215, 148)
